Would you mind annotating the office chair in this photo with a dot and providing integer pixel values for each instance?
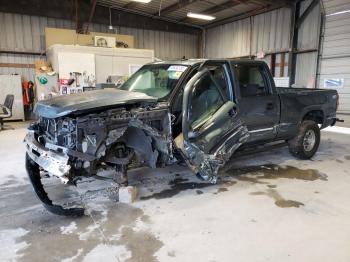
(6, 109)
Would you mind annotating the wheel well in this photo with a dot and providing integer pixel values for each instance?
(315, 115)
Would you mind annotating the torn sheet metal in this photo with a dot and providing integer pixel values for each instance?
(75, 146)
(208, 165)
(54, 163)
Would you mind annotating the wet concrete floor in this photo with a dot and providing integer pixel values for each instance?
(269, 202)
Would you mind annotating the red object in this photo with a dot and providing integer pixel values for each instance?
(28, 93)
(64, 81)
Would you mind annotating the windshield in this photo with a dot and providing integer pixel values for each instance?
(156, 80)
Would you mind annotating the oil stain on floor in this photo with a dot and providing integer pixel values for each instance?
(176, 186)
(255, 174)
(180, 184)
(279, 200)
(262, 174)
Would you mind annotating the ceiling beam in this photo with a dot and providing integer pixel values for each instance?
(61, 9)
(92, 12)
(305, 14)
(220, 7)
(175, 7)
(254, 12)
(78, 24)
(132, 5)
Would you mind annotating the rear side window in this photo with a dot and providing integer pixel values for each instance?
(251, 80)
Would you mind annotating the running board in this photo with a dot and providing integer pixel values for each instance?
(258, 149)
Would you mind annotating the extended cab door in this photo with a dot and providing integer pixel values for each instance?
(210, 127)
(257, 99)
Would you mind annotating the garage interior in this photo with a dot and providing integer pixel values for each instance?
(266, 205)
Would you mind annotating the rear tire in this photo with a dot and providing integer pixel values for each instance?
(305, 144)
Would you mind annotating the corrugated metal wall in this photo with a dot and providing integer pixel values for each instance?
(166, 45)
(308, 38)
(27, 34)
(229, 40)
(335, 61)
(270, 32)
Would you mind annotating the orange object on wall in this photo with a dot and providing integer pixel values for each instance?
(28, 93)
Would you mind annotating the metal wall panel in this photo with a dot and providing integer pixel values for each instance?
(27, 34)
(27, 73)
(309, 31)
(166, 45)
(270, 33)
(335, 60)
(305, 75)
(308, 38)
(229, 40)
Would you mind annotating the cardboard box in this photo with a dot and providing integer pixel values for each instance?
(70, 37)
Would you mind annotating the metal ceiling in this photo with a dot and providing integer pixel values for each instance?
(176, 10)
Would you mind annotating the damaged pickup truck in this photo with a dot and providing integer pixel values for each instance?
(199, 111)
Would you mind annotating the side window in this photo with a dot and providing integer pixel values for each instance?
(218, 74)
(251, 80)
(205, 100)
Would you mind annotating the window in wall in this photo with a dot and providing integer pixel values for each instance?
(206, 99)
(251, 80)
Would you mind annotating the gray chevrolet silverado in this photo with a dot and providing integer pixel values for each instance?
(198, 111)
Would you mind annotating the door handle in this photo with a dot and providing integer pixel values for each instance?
(269, 106)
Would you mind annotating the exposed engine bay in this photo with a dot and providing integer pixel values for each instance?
(124, 137)
(116, 137)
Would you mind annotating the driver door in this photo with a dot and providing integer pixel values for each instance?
(210, 127)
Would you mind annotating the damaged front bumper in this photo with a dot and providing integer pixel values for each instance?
(54, 163)
(57, 164)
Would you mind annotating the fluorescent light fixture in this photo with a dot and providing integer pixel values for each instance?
(142, 1)
(339, 13)
(200, 16)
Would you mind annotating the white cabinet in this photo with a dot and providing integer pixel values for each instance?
(107, 61)
(12, 85)
(104, 67)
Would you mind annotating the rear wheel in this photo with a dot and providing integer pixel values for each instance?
(306, 143)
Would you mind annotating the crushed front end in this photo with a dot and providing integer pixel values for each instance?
(76, 145)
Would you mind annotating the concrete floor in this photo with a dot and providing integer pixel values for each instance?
(278, 209)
